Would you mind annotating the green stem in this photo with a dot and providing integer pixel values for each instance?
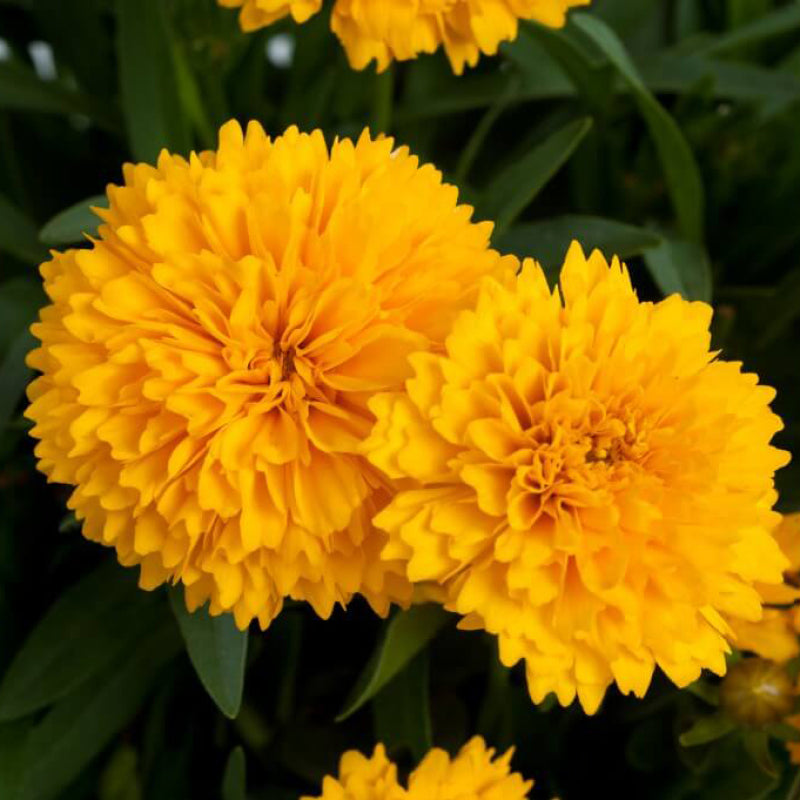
(794, 789)
(383, 101)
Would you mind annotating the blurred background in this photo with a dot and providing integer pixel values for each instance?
(667, 131)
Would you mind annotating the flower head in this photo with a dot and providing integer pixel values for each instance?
(400, 31)
(775, 635)
(362, 778)
(207, 362)
(588, 481)
(474, 774)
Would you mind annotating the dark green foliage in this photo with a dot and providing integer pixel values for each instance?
(667, 131)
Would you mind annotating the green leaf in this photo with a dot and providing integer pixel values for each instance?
(120, 779)
(779, 22)
(18, 234)
(680, 169)
(515, 187)
(405, 635)
(757, 745)
(22, 90)
(72, 224)
(13, 748)
(549, 239)
(151, 102)
(217, 650)
(14, 375)
(402, 710)
(707, 729)
(234, 780)
(705, 691)
(82, 724)
(88, 628)
(20, 300)
(682, 267)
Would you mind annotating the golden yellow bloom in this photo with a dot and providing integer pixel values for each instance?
(362, 778)
(775, 635)
(474, 774)
(587, 481)
(207, 362)
(401, 30)
(256, 14)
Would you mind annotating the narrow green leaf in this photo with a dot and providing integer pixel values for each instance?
(405, 635)
(549, 239)
(217, 650)
(707, 729)
(21, 89)
(234, 780)
(783, 731)
(18, 234)
(757, 745)
(677, 160)
(72, 224)
(402, 710)
(88, 628)
(13, 751)
(150, 99)
(20, 300)
(14, 375)
(121, 779)
(682, 267)
(82, 724)
(515, 187)
(779, 22)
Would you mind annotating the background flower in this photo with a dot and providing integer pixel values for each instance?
(207, 362)
(385, 32)
(591, 484)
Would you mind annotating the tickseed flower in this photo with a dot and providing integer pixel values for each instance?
(207, 361)
(587, 481)
(474, 774)
(385, 32)
(775, 635)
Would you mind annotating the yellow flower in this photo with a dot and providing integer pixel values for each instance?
(401, 30)
(256, 14)
(588, 482)
(474, 774)
(207, 362)
(362, 778)
(775, 635)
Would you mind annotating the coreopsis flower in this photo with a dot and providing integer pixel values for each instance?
(207, 361)
(586, 479)
(385, 32)
(362, 778)
(257, 14)
(474, 774)
(775, 635)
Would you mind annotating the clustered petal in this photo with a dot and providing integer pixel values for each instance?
(401, 30)
(775, 635)
(586, 480)
(474, 774)
(207, 361)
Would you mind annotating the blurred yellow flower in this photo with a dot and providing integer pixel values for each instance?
(207, 361)
(474, 774)
(587, 481)
(775, 635)
(385, 32)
